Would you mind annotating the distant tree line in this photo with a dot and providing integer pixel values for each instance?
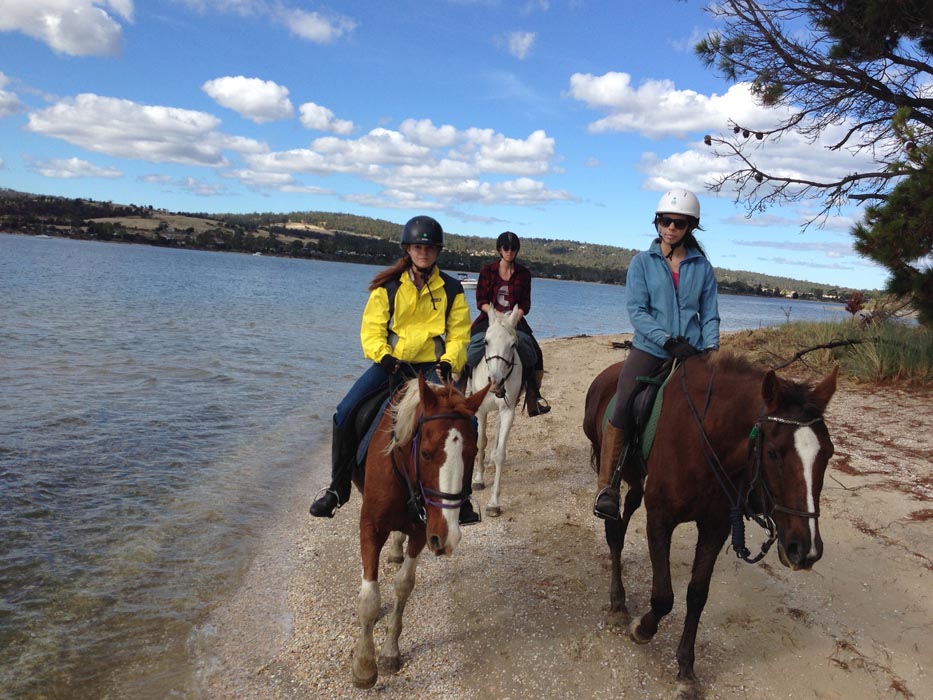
(348, 238)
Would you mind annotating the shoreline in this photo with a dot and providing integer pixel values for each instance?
(519, 610)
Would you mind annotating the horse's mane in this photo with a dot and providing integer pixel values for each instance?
(791, 392)
(404, 412)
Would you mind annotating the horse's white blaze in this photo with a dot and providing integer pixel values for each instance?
(808, 447)
(450, 480)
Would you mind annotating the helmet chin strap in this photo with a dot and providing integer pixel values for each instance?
(674, 246)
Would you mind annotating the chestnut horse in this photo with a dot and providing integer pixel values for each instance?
(412, 482)
(732, 443)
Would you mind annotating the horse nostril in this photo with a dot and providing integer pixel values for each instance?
(435, 543)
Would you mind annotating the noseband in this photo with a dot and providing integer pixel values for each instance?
(511, 365)
(425, 496)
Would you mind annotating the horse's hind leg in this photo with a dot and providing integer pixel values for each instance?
(710, 538)
(390, 659)
(615, 538)
(396, 554)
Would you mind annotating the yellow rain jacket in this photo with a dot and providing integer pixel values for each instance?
(420, 330)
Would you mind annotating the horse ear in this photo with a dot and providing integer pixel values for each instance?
(428, 397)
(769, 390)
(513, 316)
(474, 400)
(824, 391)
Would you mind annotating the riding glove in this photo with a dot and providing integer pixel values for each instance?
(389, 363)
(679, 347)
(443, 371)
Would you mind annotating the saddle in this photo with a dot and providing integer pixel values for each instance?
(642, 412)
(366, 419)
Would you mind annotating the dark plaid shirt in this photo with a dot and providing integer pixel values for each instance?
(504, 296)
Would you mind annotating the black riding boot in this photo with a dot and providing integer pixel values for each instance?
(534, 402)
(343, 456)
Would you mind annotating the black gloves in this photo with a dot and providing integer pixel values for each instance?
(443, 371)
(389, 363)
(679, 347)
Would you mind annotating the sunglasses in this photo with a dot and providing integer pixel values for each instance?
(508, 248)
(679, 224)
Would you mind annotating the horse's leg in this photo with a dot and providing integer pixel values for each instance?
(710, 538)
(506, 418)
(396, 555)
(615, 538)
(364, 663)
(662, 594)
(389, 657)
(481, 439)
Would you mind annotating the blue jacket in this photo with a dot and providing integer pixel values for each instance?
(657, 311)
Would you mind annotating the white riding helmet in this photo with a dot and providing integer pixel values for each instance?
(679, 202)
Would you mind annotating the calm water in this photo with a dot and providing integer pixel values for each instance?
(155, 406)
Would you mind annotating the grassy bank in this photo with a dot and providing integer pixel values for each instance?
(886, 352)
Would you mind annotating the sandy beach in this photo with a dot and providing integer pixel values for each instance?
(519, 611)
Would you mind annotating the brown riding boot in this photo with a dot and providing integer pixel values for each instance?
(608, 498)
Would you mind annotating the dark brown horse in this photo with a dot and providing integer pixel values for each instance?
(412, 483)
(732, 443)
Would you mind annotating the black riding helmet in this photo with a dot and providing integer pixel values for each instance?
(424, 230)
(509, 240)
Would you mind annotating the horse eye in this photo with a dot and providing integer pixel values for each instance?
(773, 454)
(425, 455)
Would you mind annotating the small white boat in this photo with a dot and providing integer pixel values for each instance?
(467, 281)
(257, 254)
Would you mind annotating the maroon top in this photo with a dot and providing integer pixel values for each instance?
(504, 296)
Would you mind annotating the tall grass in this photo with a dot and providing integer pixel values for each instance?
(878, 353)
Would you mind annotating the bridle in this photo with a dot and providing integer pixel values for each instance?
(423, 496)
(510, 363)
(738, 496)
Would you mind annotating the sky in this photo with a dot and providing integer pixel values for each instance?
(560, 119)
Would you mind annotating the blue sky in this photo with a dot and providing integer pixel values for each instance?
(551, 118)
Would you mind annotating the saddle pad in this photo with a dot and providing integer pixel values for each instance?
(363, 446)
(646, 439)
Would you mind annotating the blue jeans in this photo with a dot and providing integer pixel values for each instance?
(370, 381)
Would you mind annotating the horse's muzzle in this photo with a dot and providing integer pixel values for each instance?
(799, 557)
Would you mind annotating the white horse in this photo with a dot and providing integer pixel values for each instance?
(502, 368)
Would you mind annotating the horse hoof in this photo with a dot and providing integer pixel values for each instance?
(637, 636)
(390, 664)
(619, 619)
(493, 511)
(687, 690)
(364, 683)
(478, 485)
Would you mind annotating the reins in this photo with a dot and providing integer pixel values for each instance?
(738, 497)
(424, 496)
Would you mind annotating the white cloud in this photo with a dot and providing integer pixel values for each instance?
(140, 132)
(316, 27)
(315, 116)
(73, 27)
(71, 168)
(520, 43)
(424, 163)
(656, 109)
(9, 102)
(255, 99)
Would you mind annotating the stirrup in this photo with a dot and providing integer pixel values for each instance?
(602, 514)
(543, 405)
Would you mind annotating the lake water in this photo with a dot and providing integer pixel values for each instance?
(156, 404)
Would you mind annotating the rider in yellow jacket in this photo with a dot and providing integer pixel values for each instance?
(420, 324)
(416, 319)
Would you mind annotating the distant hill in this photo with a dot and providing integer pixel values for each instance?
(342, 237)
